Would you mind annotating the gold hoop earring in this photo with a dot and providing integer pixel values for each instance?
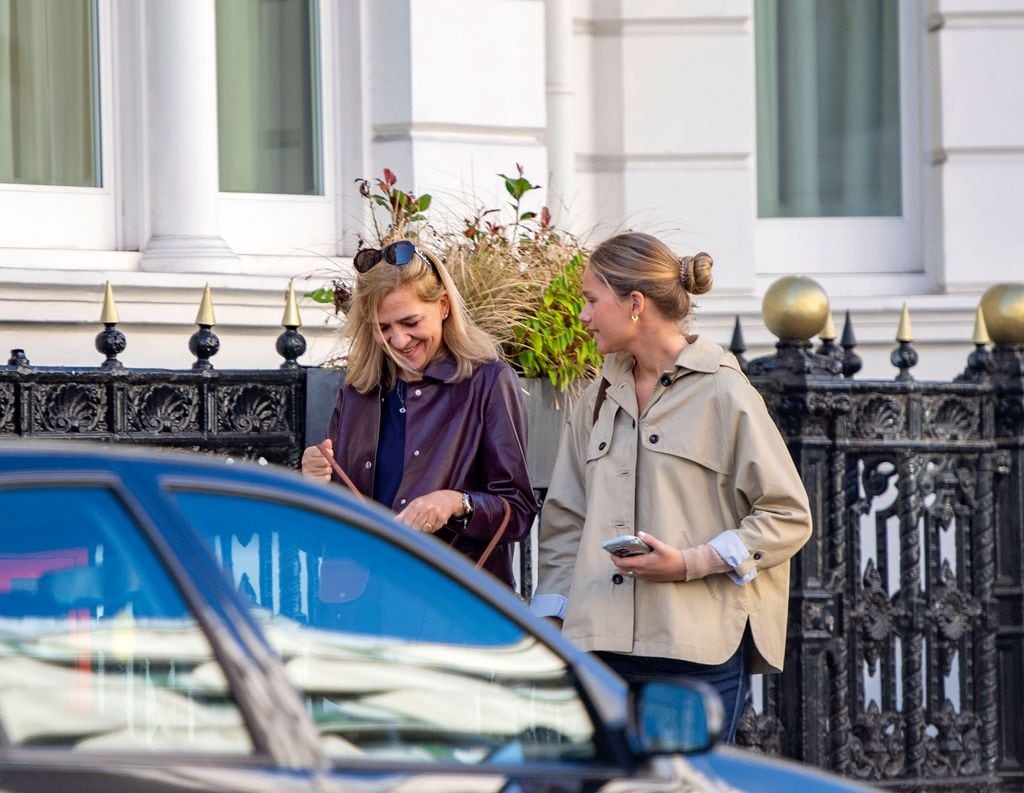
(634, 317)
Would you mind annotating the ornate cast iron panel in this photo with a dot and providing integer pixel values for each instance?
(250, 414)
(897, 659)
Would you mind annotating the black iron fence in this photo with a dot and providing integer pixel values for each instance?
(255, 414)
(905, 662)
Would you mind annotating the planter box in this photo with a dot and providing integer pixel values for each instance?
(547, 410)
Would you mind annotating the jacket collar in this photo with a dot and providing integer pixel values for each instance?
(441, 370)
(699, 355)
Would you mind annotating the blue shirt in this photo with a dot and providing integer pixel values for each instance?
(390, 446)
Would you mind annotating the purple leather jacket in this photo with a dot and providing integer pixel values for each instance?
(469, 436)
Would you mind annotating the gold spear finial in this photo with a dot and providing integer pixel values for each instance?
(291, 317)
(980, 335)
(108, 316)
(828, 333)
(205, 315)
(903, 332)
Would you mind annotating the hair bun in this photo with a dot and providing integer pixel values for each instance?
(695, 273)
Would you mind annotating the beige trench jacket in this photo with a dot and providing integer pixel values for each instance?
(704, 458)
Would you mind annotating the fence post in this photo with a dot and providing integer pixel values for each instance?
(804, 392)
(1008, 589)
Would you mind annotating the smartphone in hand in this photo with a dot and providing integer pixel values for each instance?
(626, 545)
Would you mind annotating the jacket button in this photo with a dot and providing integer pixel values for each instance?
(368, 465)
(758, 556)
(617, 578)
(418, 392)
(653, 439)
(666, 380)
(601, 446)
(416, 453)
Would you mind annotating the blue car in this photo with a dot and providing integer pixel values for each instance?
(174, 622)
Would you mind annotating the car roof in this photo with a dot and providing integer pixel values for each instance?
(31, 454)
(26, 452)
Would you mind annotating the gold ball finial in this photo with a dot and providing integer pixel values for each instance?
(795, 308)
(1003, 307)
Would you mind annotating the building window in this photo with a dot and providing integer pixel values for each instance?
(49, 118)
(267, 89)
(828, 108)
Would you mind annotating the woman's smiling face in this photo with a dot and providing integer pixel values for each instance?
(412, 328)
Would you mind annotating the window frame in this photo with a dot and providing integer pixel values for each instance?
(63, 216)
(281, 224)
(874, 246)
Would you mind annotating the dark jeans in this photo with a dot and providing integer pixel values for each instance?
(730, 679)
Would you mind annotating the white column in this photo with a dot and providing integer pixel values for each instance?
(560, 138)
(181, 112)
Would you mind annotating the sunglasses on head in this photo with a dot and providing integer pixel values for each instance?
(397, 253)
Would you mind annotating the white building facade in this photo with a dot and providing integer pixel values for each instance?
(876, 146)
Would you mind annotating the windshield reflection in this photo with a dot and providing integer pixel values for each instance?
(392, 656)
(115, 684)
(98, 649)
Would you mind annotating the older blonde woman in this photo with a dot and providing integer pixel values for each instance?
(674, 445)
(430, 421)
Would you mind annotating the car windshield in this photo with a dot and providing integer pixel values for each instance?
(393, 656)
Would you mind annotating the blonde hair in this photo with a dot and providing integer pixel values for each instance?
(370, 362)
(638, 262)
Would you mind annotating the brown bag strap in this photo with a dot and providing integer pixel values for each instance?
(601, 389)
(496, 536)
(340, 471)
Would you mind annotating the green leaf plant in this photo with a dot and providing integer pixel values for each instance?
(553, 343)
(520, 276)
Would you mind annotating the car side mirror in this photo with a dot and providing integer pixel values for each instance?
(676, 717)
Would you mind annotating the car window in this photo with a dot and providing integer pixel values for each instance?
(393, 657)
(98, 650)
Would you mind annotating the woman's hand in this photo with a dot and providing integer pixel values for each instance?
(663, 563)
(430, 512)
(315, 465)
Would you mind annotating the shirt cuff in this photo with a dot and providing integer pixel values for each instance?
(549, 605)
(735, 553)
